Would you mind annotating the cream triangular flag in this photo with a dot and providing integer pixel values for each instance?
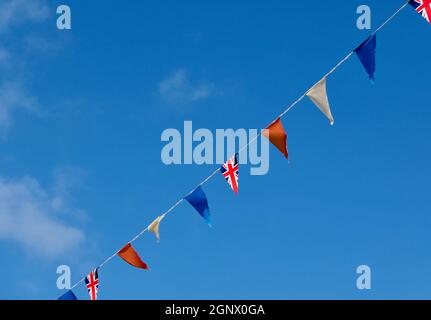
(154, 227)
(318, 95)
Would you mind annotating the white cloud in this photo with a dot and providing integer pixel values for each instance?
(12, 98)
(178, 89)
(15, 12)
(15, 50)
(29, 217)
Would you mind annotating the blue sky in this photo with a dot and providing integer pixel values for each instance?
(82, 111)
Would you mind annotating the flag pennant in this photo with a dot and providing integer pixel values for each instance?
(128, 254)
(154, 227)
(318, 95)
(198, 200)
(229, 171)
(278, 137)
(68, 295)
(423, 7)
(92, 284)
(366, 53)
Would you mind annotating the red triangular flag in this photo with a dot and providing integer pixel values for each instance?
(129, 255)
(278, 137)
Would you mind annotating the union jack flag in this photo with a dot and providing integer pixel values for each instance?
(230, 172)
(92, 284)
(423, 7)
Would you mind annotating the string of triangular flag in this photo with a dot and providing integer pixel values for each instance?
(275, 132)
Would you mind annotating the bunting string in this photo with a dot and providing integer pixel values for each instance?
(207, 179)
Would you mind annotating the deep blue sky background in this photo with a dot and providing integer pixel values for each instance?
(356, 193)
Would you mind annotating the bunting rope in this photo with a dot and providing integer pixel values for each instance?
(286, 110)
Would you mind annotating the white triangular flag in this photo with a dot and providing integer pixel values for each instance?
(318, 95)
(154, 227)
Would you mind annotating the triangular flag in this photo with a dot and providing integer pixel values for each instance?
(366, 53)
(423, 7)
(278, 137)
(199, 201)
(229, 171)
(318, 95)
(154, 227)
(92, 284)
(68, 295)
(129, 255)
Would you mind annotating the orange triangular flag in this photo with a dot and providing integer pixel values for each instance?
(278, 137)
(129, 255)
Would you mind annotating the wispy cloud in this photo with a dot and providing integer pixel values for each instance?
(67, 180)
(13, 98)
(34, 44)
(30, 217)
(16, 12)
(4, 55)
(177, 88)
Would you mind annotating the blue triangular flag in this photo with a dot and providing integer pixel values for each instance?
(69, 295)
(367, 55)
(199, 201)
